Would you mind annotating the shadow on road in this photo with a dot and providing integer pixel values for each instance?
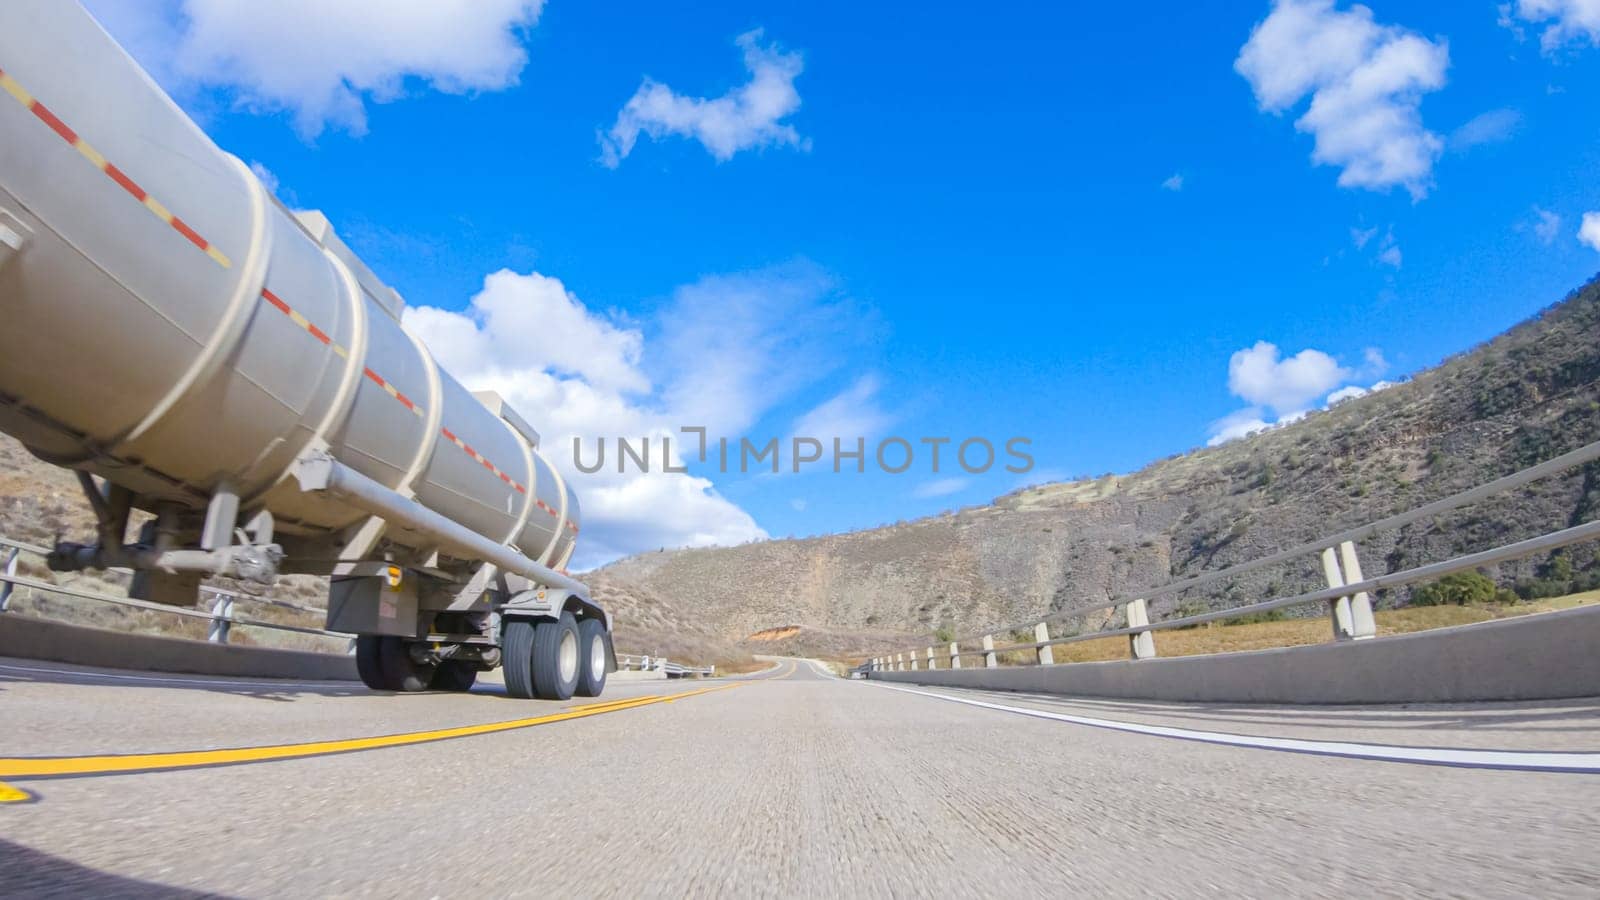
(30, 873)
(263, 689)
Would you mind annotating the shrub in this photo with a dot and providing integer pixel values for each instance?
(1557, 568)
(1539, 588)
(1460, 588)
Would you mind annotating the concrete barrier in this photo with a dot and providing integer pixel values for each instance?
(1545, 656)
(30, 638)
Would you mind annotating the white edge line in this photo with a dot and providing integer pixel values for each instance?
(1515, 760)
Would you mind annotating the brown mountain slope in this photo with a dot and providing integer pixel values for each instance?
(1528, 395)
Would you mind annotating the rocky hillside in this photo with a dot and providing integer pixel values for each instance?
(1528, 395)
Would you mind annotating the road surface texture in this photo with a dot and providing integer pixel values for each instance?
(791, 783)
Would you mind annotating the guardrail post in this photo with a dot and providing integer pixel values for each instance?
(931, 663)
(1340, 608)
(913, 657)
(11, 572)
(221, 619)
(1142, 644)
(989, 660)
(955, 656)
(1041, 633)
(1362, 624)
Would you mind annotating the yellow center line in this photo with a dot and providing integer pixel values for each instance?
(24, 767)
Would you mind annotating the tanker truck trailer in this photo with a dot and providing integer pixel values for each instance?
(230, 382)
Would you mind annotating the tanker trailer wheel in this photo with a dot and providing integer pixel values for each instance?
(401, 671)
(592, 655)
(455, 675)
(517, 656)
(556, 660)
(370, 651)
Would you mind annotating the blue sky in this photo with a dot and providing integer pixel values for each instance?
(1072, 224)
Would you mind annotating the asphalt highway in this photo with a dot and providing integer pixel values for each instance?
(787, 783)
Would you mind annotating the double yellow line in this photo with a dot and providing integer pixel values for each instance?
(55, 767)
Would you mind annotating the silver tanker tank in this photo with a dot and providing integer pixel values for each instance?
(231, 367)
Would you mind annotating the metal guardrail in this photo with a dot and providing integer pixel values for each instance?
(627, 663)
(222, 614)
(1348, 593)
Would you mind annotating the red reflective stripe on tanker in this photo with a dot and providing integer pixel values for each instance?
(480, 460)
(73, 139)
(311, 329)
(322, 337)
(44, 114)
(273, 299)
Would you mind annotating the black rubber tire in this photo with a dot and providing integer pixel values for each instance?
(591, 635)
(549, 683)
(369, 661)
(455, 675)
(516, 652)
(403, 673)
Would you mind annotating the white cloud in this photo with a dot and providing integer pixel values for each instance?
(1174, 184)
(798, 504)
(1287, 387)
(852, 413)
(1365, 82)
(1354, 391)
(1260, 378)
(939, 487)
(733, 346)
(321, 62)
(1570, 21)
(149, 30)
(1589, 233)
(1345, 393)
(1548, 226)
(1373, 361)
(1236, 425)
(535, 321)
(268, 180)
(723, 353)
(746, 117)
(1388, 250)
(1493, 127)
